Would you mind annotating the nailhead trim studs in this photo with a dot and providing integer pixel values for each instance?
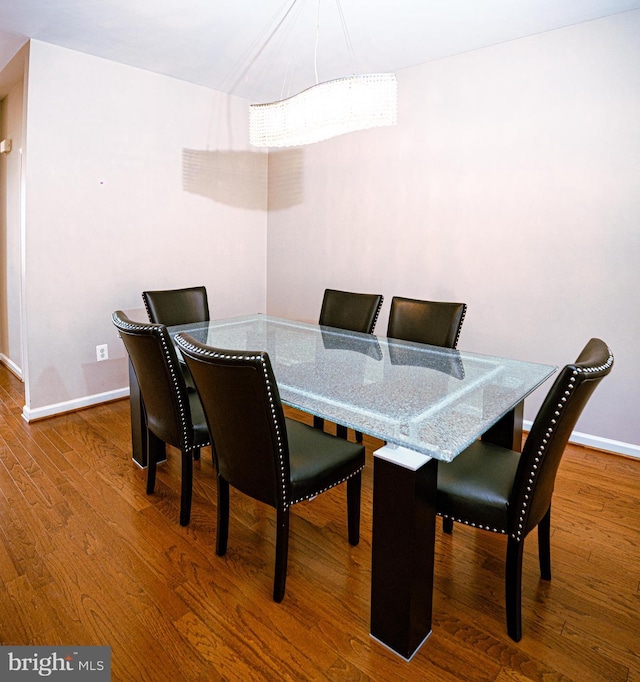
(550, 431)
(286, 501)
(157, 329)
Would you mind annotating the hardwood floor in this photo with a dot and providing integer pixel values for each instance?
(86, 557)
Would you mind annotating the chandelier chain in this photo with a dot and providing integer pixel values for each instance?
(347, 37)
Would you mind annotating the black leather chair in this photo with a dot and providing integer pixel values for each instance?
(351, 311)
(173, 414)
(272, 459)
(348, 310)
(503, 491)
(177, 306)
(434, 322)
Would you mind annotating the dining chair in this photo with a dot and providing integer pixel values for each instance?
(436, 323)
(172, 413)
(273, 459)
(348, 310)
(502, 491)
(351, 311)
(177, 306)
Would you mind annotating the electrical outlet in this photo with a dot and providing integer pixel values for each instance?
(102, 352)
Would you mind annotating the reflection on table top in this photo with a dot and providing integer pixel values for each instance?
(429, 399)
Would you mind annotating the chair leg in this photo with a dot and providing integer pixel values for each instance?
(513, 588)
(544, 545)
(282, 553)
(187, 487)
(318, 423)
(196, 453)
(222, 533)
(447, 525)
(354, 490)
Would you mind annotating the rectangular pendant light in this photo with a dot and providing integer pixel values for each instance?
(326, 110)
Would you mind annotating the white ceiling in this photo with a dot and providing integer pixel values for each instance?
(238, 46)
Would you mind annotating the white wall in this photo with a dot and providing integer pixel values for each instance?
(134, 181)
(512, 183)
(11, 128)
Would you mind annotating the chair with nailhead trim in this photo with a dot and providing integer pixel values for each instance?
(261, 453)
(436, 323)
(173, 414)
(351, 311)
(178, 306)
(348, 310)
(503, 491)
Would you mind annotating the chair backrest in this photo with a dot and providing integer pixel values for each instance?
(556, 419)
(348, 310)
(177, 306)
(162, 384)
(244, 414)
(436, 323)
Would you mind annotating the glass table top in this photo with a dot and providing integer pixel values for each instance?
(432, 400)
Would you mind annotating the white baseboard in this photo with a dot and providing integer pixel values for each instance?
(11, 366)
(606, 444)
(73, 405)
(596, 442)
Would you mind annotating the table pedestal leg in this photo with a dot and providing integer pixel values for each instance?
(402, 559)
(139, 438)
(507, 432)
(138, 426)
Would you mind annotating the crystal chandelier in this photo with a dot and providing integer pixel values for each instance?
(327, 109)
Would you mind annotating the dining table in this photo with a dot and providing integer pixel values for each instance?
(425, 403)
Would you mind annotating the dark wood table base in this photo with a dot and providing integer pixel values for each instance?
(403, 541)
(402, 559)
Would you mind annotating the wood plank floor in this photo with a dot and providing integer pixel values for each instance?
(86, 557)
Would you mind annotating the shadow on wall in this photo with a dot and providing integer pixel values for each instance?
(239, 178)
(286, 186)
(100, 377)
